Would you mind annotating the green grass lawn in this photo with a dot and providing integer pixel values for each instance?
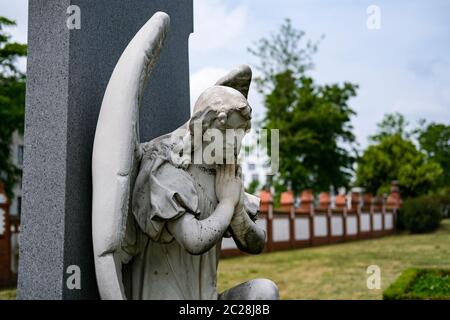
(7, 294)
(339, 271)
(336, 271)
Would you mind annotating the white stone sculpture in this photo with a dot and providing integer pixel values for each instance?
(158, 216)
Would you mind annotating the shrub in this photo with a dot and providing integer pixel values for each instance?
(396, 291)
(400, 221)
(443, 196)
(420, 215)
(420, 284)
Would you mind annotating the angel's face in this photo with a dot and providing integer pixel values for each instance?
(227, 115)
(228, 135)
(234, 134)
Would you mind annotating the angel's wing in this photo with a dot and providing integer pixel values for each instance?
(239, 79)
(116, 153)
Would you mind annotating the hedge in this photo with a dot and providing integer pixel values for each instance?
(420, 284)
(420, 215)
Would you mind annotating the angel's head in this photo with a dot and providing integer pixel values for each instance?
(221, 118)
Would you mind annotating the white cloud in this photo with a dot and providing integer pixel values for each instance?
(423, 93)
(216, 26)
(203, 79)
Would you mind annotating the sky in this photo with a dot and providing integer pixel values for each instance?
(404, 66)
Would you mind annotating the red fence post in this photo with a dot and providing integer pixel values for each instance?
(355, 204)
(393, 202)
(368, 207)
(344, 223)
(270, 227)
(5, 241)
(306, 203)
(266, 206)
(325, 205)
(341, 208)
(287, 205)
(378, 208)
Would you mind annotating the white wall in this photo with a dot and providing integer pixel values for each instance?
(352, 225)
(377, 221)
(337, 225)
(2, 221)
(320, 226)
(388, 221)
(302, 229)
(280, 229)
(365, 222)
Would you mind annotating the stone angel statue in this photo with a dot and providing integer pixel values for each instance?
(158, 218)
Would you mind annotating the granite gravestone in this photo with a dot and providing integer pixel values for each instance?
(69, 66)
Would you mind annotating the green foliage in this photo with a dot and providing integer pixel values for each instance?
(392, 156)
(253, 187)
(12, 102)
(420, 284)
(7, 294)
(314, 120)
(279, 187)
(420, 215)
(443, 197)
(285, 50)
(433, 284)
(392, 124)
(396, 290)
(395, 158)
(434, 140)
(400, 220)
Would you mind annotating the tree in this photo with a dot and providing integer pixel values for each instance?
(253, 187)
(283, 51)
(392, 156)
(434, 140)
(12, 102)
(314, 120)
(392, 123)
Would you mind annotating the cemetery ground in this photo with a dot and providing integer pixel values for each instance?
(336, 271)
(339, 271)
